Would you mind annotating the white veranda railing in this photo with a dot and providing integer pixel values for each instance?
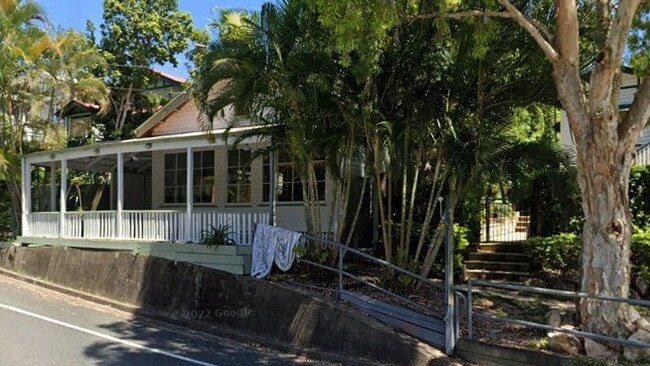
(152, 225)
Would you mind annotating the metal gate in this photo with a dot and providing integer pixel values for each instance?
(504, 222)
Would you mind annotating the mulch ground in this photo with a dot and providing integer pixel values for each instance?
(488, 302)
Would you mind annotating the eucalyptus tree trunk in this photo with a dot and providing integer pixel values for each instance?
(603, 178)
(605, 147)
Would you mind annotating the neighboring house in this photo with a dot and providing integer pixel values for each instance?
(157, 198)
(79, 116)
(78, 119)
(629, 86)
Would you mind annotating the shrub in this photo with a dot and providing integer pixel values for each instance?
(640, 195)
(318, 253)
(461, 243)
(461, 249)
(215, 236)
(562, 252)
(641, 254)
(557, 252)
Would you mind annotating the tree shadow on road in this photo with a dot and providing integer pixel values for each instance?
(167, 344)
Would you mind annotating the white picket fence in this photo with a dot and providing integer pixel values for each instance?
(154, 225)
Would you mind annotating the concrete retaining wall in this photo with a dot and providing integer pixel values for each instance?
(185, 291)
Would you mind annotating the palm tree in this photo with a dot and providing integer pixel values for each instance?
(272, 68)
(68, 71)
(23, 43)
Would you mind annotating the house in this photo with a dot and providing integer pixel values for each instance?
(156, 198)
(78, 119)
(78, 116)
(629, 85)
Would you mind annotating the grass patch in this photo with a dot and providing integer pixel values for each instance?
(541, 343)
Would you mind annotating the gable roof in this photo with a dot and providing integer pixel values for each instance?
(76, 106)
(174, 78)
(162, 114)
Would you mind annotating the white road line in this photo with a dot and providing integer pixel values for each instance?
(105, 336)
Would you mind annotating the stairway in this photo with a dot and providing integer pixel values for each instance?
(504, 261)
(523, 222)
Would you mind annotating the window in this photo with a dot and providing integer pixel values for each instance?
(289, 185)
(176, 177)
(204, 181)
(239, 176)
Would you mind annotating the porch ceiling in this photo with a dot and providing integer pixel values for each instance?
(139, 163)
(85, 154)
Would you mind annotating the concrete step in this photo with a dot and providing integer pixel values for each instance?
(498, 257)
(498, 266)
(501, 247)
(511, 276)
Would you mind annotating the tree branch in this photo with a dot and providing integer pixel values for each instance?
(630, 128)
(620, 25)
(463, 14)
(604, 12)
(609, 59)
(488, 13)
(535, 32)
(567, 39)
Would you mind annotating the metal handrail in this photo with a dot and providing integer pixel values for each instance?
(565, 330)
(436, 283)
(546, 291)
(369, 284)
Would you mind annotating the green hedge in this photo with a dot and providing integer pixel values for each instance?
(557, 252)
(562, 252)
(640, 195)
(641, 253)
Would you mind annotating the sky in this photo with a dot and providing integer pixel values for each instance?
(74, 13)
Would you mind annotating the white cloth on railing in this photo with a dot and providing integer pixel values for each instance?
(272, 244)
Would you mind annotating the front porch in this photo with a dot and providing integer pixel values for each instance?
(136, 206)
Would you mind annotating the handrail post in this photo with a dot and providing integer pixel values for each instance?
(469, 309)
(456, 318)
(449, 281)
(487, 219)
(340, 271)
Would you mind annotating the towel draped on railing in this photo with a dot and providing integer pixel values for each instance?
(272, 245)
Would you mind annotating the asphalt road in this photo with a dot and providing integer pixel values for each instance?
(40, 327)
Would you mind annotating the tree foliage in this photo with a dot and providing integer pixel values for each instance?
(135, 35)
(424, 113)
(584, 44)
(40, 71)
